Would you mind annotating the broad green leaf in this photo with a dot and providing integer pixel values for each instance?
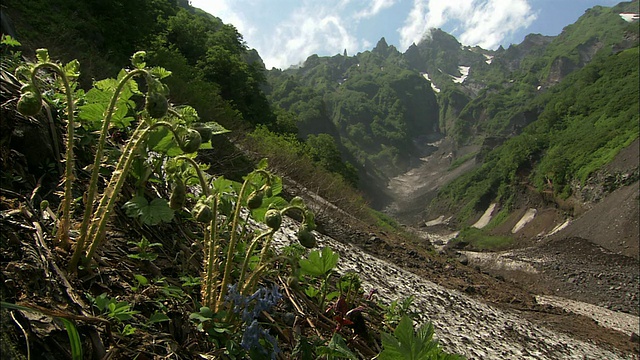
(133, 206)
(141, 279)
(274, 202)
(162, 141)
(157, 212)
(93, 113)
(118, 118)
(158, 317)
(150, 213)
(319, 262)
(276, 185)
(96, 95)
(106, 85)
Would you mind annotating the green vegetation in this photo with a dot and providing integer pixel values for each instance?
(586, 120)
(481, 239)
(231, 225)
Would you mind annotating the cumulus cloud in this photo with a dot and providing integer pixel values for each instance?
(227, 12)
(480, 22)
(308, 30)
(374, 8)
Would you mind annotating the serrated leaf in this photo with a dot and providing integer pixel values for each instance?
(106, 85)
(98, 96)
(9, 41)
(119, 118)
(92, 113)
(156, 212)
(318, 262)
(162, 141)
(263, 164)
(337, 348)
(216, 129)
(133, 206)
(72, 69)
(42, 55)
(160, 72)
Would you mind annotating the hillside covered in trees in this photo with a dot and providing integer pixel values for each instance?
(149, 161)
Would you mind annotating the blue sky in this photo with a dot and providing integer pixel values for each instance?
(286, 32)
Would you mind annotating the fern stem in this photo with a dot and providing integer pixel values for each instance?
(95, 171)
(62, 235)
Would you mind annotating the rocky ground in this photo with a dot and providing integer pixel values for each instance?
(587, 271)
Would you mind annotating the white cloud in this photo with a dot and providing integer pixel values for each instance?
(481, 22)
(227, 13)
(308, 30)
(374, 8)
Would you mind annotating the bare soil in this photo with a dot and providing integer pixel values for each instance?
(593, 260)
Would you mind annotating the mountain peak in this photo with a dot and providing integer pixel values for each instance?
(381, 46)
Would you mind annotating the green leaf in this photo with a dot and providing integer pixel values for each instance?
(162, 141)
(157, 212)
(274, 202)
(118, 118)
(263, 164)
(150, 213)
(276, 185)
(9, 41)
(96, 95)
(216, 129)
(72, 69)
(74, 339)
(319, 262)
(311, 292)
(158, 317)
(93, 112)
(141, 279)
(405, 344)
(106, 85)
(205, 314)
(159, 72)
(42, 55)
(337, 348)
(138, 59)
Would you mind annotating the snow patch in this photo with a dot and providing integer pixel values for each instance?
(619, 321)
(560, 227)
(426, 76)
(489, 59)
(630, 17)
(464, 70)
(526, 218)
(486, 217)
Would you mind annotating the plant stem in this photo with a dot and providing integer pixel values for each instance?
(62, 235)
(203, 183)
(252, 247)
(211, 245)
(99, 221)
(95, 171)
(232, 243)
